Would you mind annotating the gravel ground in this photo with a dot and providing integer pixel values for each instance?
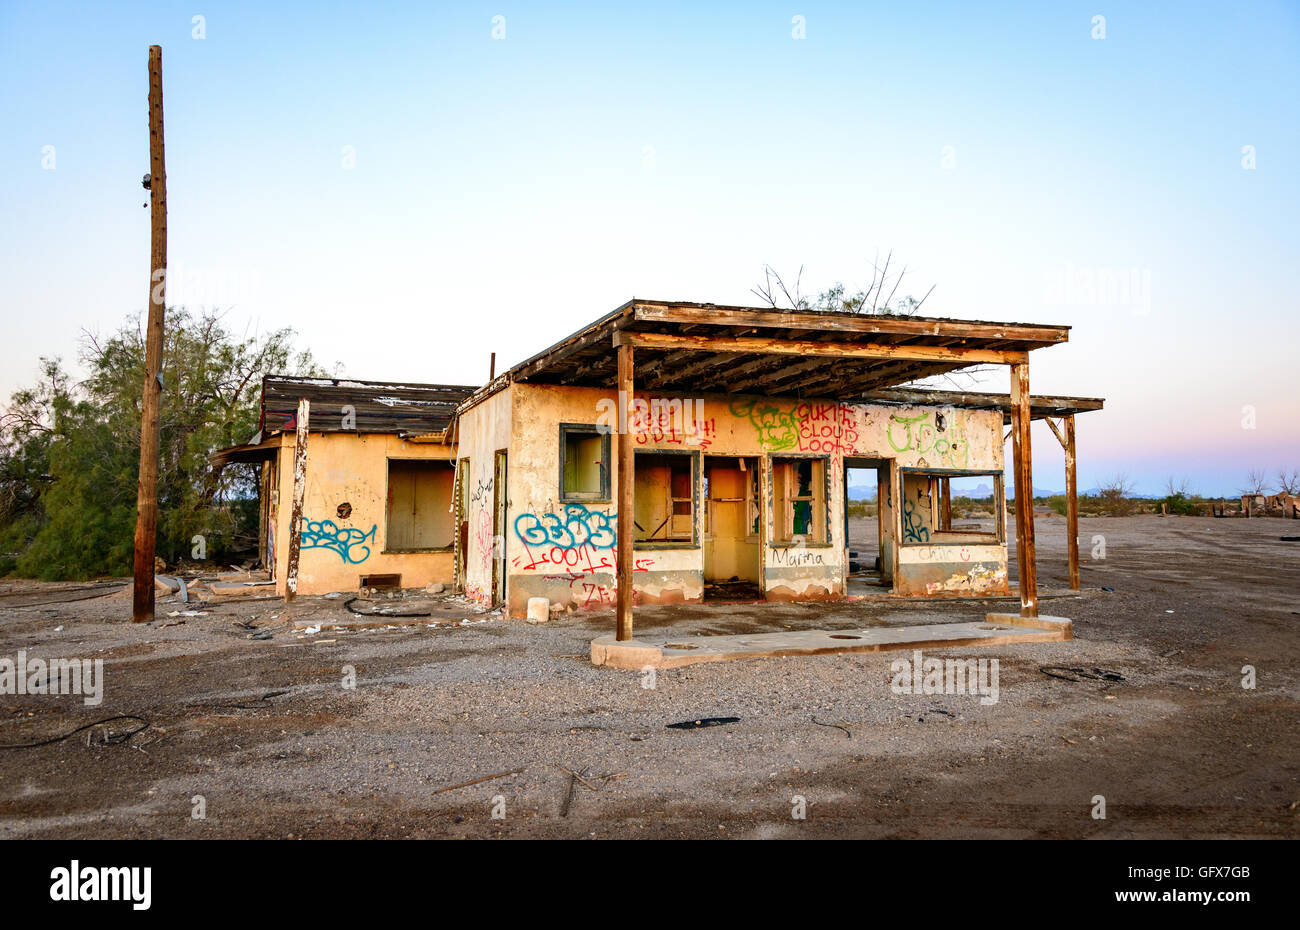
(1178, 748)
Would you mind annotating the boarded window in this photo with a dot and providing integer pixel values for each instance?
(665, 498)
(419, 505)
(799, 500)
(584, 463)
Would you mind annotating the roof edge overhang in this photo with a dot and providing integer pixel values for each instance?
(1041, 406)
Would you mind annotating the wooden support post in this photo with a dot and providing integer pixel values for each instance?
(626, 483)
(946, 522)
(492, 368)
(146, 515)
(1024, 472)
(299, 494)
(1071, 503)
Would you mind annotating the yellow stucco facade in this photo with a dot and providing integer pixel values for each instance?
(348, 513)
(748, 462)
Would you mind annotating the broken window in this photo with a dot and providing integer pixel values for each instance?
(665, 497)
(419, 516)
(799, 500)
(949, 506)
(584, 463)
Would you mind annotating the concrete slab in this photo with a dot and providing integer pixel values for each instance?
(674, 652)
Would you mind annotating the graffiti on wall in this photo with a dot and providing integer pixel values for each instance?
(484, 540)
(481, 492)
(919, 434)
(796, 557)
(586, 587)
(811, 426)
(672, 422)
(352, 545)
(913, 527)
(572, 528)
(827, 427)
(773, 422)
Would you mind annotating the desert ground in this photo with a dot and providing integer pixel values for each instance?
(266, 734)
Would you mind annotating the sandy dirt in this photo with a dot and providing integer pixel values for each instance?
(267, 734)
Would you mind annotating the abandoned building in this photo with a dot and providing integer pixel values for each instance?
(681, 448)
(375, 498)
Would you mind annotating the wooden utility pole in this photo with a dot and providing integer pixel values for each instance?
(146, 520)
(626, 486)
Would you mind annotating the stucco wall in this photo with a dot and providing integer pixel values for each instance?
(565, 551)
(483, 431)
(349, 468)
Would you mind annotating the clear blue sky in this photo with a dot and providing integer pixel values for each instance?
(506, 191)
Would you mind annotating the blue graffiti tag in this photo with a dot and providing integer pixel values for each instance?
(325, 534)
(576, 526)
(913, 531)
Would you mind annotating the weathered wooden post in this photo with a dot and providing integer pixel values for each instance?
(1071, 503)
(146, 518)
(299, 493)
(1023, 467)
(626, 484)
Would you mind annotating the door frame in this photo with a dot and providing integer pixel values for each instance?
(500, 506)
(754, 463)
(885, 477)
(462, 526)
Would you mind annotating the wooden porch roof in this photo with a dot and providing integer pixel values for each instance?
(376, 406)
(1041, 406)
(691, 347)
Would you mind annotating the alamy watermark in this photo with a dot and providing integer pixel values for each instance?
(669, 419)
(1098, 287)
(920, 675)
(53, 676)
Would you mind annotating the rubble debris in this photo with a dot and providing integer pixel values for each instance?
(568, 794)
(109, 739)
(1071, 673)
(539, 610)
(475, 781)
(702, 722)
(835, 725)
(383, 611)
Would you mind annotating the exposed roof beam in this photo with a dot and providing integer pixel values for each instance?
(864, 324)
(752, 345)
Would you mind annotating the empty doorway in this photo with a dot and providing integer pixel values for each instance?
(869, 556)
(499, 507)
(731, 528)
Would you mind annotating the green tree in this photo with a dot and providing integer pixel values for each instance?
(69, 456)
